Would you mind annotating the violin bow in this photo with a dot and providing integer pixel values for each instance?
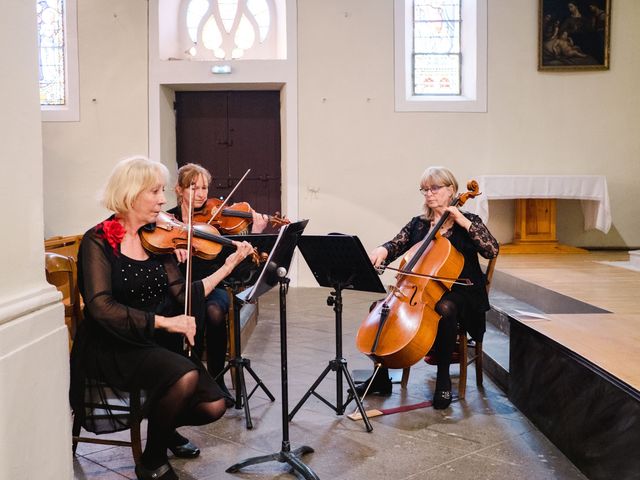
(453, 281)
(187, 285)
(221, 207)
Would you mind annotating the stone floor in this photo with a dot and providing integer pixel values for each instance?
(482, 437)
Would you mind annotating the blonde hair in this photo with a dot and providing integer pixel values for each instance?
(437, 176)
(189, 173)
(128, 179)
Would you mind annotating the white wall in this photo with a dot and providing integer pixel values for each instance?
(112, 44)
(352, 162)
(360, 161)
(35, 428)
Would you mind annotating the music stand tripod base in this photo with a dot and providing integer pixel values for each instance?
(338, 365)
(339, 261)
(242, 276)
(283, 457)
(239, 364)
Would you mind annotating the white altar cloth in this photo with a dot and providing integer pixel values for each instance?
(590, 189)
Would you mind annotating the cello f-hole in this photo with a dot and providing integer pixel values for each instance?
(412, 302)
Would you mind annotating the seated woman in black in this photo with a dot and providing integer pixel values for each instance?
(214, 328)
(462, 304)
(132, 335)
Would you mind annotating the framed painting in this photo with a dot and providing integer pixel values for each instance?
(573, 35)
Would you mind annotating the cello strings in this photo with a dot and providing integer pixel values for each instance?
(456, 281)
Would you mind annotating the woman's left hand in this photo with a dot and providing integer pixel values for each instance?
(260, 222)
(181, 255)
(458, 217)
(243, 250)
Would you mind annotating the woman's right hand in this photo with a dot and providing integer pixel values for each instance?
(378, 255)
(183, 324)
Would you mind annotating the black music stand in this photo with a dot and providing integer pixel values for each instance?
(244, 274)
(338, 261)
(275, 272)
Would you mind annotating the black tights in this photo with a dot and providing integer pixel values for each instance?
(445, 341)
(216, 334)
(444, 344)
(172, 411)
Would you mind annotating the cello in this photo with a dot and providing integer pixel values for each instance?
(401, 329)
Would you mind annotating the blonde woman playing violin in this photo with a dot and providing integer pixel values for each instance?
(132, 335)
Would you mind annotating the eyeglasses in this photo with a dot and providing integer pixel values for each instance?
(434, 189)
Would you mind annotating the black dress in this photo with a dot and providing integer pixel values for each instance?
(117, 348)
(472, 301)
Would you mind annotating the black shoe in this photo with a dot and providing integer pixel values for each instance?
(163, 472)
(188, 450)
(381, 386)
(441, 399)
(182, 447)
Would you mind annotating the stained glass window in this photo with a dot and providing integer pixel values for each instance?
(436, 47)
(51, 37)
(228, 28)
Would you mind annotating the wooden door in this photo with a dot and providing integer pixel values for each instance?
(228, 133)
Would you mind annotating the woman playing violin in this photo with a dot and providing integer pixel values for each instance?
(464, 305)
(132, 335)
(217, 302)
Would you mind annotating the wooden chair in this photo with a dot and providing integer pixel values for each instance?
(60, 271)
(67, 246)
(132, 411)
(461, 353)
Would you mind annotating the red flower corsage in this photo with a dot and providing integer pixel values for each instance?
(113, 232)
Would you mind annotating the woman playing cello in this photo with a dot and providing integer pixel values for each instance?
(132, 335)
(462, 304)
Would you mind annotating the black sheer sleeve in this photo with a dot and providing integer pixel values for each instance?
(95, 275)
(411, 233)
(481, 237)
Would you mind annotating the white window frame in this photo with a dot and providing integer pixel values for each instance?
(473, 97)
(70, 111)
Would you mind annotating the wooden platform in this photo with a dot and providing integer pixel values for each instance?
(610, 340)
(574, 356)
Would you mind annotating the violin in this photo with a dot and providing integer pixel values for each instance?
(402, 328)
(233, 219)
(169, 234)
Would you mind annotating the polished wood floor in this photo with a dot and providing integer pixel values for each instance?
(609, 340)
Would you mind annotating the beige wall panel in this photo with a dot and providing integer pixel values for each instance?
(78, 156)
(35, 428)
(360, 161)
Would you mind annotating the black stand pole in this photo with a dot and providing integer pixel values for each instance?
(338, 365)
(238, 363)
(285, 455)
(338, 261)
